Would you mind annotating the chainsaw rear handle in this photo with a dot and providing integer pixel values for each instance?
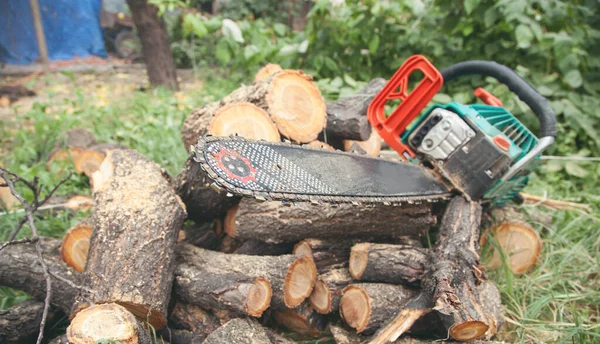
(538, 104)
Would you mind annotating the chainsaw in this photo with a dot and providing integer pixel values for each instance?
(480, 151)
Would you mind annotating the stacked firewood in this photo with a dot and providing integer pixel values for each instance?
(241, 268)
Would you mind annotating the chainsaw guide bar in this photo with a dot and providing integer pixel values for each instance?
(281, 171)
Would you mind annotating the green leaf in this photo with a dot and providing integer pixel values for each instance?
(280, 29)
(470, 5)
(575, 169)
(303, 47)
(192, 23)
(349, 80)
(232, 30)
(250, 51)
(374, 44)
(490, 16)
(574, 79)
(524, 36)
(222, 52)
(331, 65)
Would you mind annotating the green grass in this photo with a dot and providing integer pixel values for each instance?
(558, 301)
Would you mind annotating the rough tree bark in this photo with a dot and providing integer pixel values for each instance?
(137, 218)
(274, 222)
(155, 44)
(21, 322)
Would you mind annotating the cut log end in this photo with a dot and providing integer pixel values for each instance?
(372, 146)
(320, 299)
(88, 162)
(246, 120)
(266, 71)
(299, 281)
(296, 106)
(104, 173)
(355, 308)
(358, 260)
(104, 322)
(75, 246)
(79, 202)
(303, 249)
(467, 331)
(320, 145)
(518, 243)
(229, 224)
(259, 297)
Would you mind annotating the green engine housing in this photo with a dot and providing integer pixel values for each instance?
(472, 146)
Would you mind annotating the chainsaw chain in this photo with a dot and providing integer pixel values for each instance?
(220, 184)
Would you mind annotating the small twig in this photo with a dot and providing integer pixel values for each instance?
(534, 201)
(572, 158)
(16, 242)
(29, 211)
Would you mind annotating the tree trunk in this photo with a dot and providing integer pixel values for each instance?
(242, 331)
(155, 44)
(21, 322)
(385, 263)
(274, 222)
(137, 218)
(106, 322)
(455, 277)
(366, 306)
(19, 269)
(242, 283)
(347, 117)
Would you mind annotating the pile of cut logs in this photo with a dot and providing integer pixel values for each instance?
(239, 268)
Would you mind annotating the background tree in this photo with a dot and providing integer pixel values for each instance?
(155, 44)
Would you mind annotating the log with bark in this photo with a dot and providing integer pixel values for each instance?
(371, 146)
(21, 322)
(291, 99)
(302, 319)
(347, 117)
(387, 263)
(198, 322)
(202, 202)
(274, 222)
(326, 295)
(137, 218)
(107, 322)
(242, 331)
(240, 283)
(202, 234)
(75, 245)
(19, 269)
(455, 276)
(366, 306)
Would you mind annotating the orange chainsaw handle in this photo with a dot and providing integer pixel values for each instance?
(391, 128)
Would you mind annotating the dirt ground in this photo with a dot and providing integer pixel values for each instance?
(99, 86)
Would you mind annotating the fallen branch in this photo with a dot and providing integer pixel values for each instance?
(552, 203)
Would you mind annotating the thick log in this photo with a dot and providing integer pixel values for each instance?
(137, 218)
(327, 293)
(75, 245)
(173, 336)
(302, 319)
(21, 322)
(106, 322)
(202, 202)
(415, 310)
(19, 269)
(347, 117)
(509, 239)
(291, 99)
(367, 306)
(195, 320)
(455, 276)
(386, 263)
(242, 331)
(274, 222)
(203, 235)
(342, 335)
(261, 248)
(242, 283)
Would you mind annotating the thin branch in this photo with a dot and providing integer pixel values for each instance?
(16, 242)
(29, 211)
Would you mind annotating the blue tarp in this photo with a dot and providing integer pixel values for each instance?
(72, 28)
